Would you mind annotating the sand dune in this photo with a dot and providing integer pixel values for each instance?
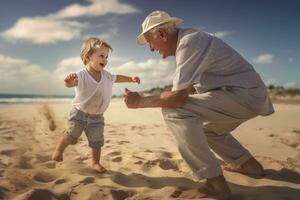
(140, 155)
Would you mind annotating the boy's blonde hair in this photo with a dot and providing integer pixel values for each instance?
(89, 46)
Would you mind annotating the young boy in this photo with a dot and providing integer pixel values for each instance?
(93, 90)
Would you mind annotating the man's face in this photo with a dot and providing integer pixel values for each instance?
(157, 42)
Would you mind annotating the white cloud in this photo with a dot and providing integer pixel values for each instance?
(222, 34)
(19, 75)
(67, 66)
(96, 8)
(41, 30)
(58, 26)
(117, 60)
(152, 72)
(263, 59)
(109, 34)
(290, 85)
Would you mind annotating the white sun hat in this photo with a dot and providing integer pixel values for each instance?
(154, 19)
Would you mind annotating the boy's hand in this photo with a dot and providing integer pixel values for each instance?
(136, 79)
(71, 80)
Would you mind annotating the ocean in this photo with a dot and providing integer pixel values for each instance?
(29, 98)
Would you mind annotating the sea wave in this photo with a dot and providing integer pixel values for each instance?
(33, 100)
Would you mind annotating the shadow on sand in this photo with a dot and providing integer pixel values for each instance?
(284, 174)
(240, 192)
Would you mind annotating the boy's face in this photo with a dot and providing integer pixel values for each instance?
(98, 59)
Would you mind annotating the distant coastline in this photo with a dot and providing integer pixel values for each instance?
(278, 94)
(33, 98)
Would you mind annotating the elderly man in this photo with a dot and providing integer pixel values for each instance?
(214, 91)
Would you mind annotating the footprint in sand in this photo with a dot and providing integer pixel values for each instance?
(117, 159)
(148, 151)
(164, 164)
(9, 138)
(41, 194)
(291, 139)
(165, 154)
(8, 152)
(49, 165)
(1, 173)
(23, 162)
(138, 157)
(44, 176)
(138, 162)
(186, 193)
(176, 194)
(88, 180)
(60, 181)
(296, 131)
(5, 163)
(18, 179)
(123, 142)
(43, 158)
(114, 153)
(121, 194)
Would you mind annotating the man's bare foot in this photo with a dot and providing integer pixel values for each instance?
(98, 168)
(250, 167)
(218, 187)
(57, 156)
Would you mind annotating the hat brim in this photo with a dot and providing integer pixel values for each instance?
(141, 39)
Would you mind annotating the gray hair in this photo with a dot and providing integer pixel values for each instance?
(169, 27)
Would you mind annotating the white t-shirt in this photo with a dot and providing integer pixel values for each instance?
(93, 97)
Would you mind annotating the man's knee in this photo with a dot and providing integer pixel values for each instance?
(166, 111)
(170, 113)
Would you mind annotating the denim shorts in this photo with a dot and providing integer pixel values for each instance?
(91, 124)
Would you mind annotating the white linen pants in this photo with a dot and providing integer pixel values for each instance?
(205, 123)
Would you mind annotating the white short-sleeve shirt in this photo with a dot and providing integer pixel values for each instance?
(93, 97)
(207, 62)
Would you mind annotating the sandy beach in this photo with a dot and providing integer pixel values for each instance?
(140, 154)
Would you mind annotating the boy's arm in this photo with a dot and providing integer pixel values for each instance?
(71, 80)
(122, 79)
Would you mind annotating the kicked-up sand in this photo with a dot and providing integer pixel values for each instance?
(140, 155)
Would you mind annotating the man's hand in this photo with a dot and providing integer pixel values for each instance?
(135, 79)
(71, 80)
(132, 99)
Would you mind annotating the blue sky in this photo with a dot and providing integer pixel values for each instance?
(40, 39)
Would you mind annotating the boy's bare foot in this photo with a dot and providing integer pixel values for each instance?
(57, 156)
(98, 168)
(250, 167)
